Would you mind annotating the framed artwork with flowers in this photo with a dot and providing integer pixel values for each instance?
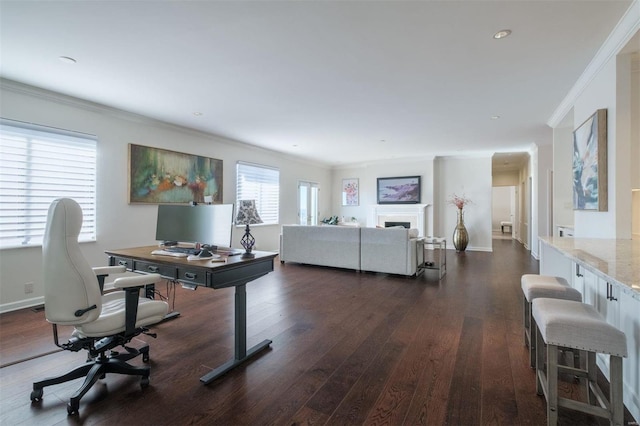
(160, 176)
(350, 192)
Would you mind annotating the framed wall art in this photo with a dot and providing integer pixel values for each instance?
(160, 176)
(590, 163)
(399, 190)
(350, 192)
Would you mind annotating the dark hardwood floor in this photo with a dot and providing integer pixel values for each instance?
(348, 348)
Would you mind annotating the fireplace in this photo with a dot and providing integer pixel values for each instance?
(392, 224)
(414, 214)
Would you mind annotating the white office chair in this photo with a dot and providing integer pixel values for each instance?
(74, 297)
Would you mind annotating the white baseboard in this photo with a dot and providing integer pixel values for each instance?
(27, 303)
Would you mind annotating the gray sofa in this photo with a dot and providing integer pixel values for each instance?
(389, 250)
(337, 246)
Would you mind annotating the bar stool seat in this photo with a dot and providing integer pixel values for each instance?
(571, 324)
(533, 287)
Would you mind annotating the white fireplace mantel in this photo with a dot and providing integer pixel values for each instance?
(416, 214)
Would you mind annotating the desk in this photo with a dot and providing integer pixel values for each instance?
(235, 272)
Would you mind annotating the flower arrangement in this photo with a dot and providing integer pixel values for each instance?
(459, 201)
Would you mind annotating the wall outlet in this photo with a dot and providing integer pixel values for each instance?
(28, 288)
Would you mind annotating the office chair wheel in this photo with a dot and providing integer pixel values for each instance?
(144, 382)
(36, 395)
(73, 408)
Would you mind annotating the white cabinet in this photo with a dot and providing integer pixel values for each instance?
(577, 279)
(622, 311)
(609, 302)
(618, 303)
(629, 318)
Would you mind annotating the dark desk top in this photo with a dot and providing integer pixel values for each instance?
(232, 270)
(144, 253)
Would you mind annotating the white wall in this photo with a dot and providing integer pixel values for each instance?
(509, 178)
(470, 177)
(609, 89)
(635, 225)
(120, 224)
(542, 164)
(367, 175)
(635, 117)
(563, 176)
(501, 206)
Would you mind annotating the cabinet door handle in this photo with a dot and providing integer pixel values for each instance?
(190, 275)
(122, 263)
(578, 274)
(152, 268)
(610, 293)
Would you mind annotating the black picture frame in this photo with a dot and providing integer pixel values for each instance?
(399, 190)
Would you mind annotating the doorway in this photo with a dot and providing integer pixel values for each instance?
(503, 212)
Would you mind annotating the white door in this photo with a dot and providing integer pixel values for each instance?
(308, 203)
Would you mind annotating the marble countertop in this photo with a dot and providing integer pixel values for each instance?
(617, 261)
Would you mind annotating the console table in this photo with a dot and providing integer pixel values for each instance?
(228, 271)
(439, 245)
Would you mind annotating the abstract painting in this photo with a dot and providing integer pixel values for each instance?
(590, 163)
(159, 176)
(399, 190)
(350, 192)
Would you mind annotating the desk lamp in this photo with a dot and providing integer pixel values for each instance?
(247, 215)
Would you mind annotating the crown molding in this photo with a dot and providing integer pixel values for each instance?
(60, 98)
(626, 28)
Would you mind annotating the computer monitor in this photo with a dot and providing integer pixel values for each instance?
(205, 224)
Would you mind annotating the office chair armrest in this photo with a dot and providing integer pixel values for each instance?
(103, 271)
(137, 281)
(108, 270)
(131, 286)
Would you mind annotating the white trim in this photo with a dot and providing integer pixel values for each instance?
(626, 28)
(21, 304)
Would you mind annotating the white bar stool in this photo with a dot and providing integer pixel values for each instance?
(565, 323)
(533, 287)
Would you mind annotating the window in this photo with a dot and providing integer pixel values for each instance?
(37, 165)
(262, 184)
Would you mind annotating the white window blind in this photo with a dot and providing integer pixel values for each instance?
(37, 165)
(262, 184)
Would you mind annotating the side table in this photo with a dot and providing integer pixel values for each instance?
(439, 254)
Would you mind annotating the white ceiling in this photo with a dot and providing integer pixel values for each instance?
(333, 81)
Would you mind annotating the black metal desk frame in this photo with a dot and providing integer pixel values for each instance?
(236, 272)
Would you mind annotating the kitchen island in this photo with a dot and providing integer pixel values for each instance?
(607, 273)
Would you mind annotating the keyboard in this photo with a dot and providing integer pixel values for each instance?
(186, 250)
(169, 253)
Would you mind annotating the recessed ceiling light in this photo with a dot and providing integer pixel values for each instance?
(495, 117)
(502, 34)
(197, 114)
(67, 59)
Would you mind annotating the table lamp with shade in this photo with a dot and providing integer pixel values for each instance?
(247, 215)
